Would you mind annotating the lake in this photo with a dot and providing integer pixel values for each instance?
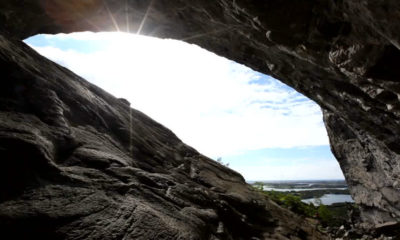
(329, 199)
(297, 189)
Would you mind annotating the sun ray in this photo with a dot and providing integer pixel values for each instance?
(127, 16)
(144, 18)
(92, 24)
(111, 16)
(206, 34)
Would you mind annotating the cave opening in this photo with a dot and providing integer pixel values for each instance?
(252, 122)
(341, 54)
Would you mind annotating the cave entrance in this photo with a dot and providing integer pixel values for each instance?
(260, 127)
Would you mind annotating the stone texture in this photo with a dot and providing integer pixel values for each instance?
(370, 168)
(342, 54)
(78, 163)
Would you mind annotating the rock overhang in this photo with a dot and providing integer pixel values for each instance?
(341, 54)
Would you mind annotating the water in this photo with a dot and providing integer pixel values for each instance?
(312, 185)
(298, 189)
(329, 199)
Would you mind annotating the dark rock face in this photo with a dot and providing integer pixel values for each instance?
(342, 54)
(371, 170)
(78, 163)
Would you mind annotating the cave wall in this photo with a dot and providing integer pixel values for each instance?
(342, 54)
(78, 163)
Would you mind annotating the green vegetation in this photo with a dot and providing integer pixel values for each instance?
(306, 190)
(292, 203)
(333, 215)
(219, 160)
(318, 193)
(315, 184)
(259, 185)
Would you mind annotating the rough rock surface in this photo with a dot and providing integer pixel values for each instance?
(343, 54)
(78, 163)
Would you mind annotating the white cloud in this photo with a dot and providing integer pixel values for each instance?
(206, 100)
(83, 36)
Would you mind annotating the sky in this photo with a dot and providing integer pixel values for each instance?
(259, 126)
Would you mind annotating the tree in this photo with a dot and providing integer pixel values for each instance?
(219, 160)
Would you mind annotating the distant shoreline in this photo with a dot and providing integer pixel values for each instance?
(297, 181)
(300, 180)
(328, 190)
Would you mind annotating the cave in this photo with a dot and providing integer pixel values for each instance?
(71, 170)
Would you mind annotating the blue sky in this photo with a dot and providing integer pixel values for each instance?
(264, 129)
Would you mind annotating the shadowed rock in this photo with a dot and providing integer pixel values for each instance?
(78, 163)
(342, 54)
